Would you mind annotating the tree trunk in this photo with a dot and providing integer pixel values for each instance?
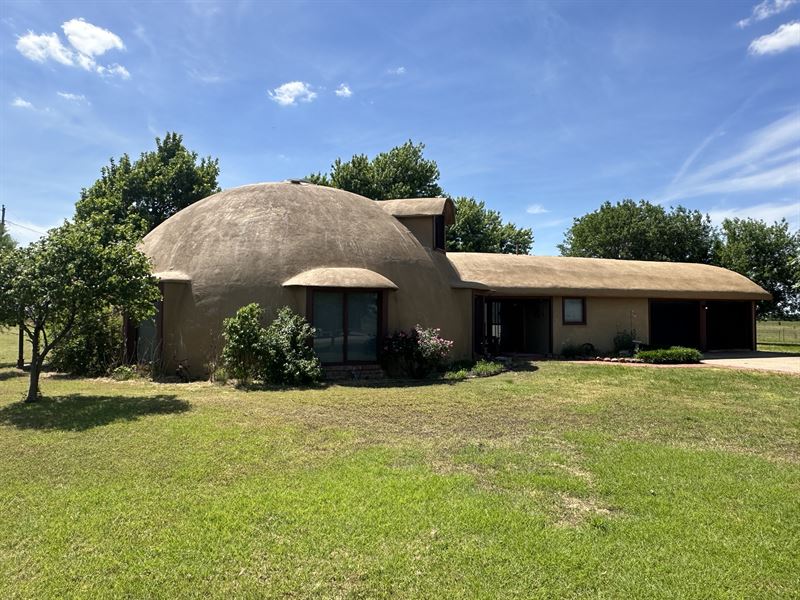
(21, 349)
(36, 369)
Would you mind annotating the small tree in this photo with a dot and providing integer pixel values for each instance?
(49, 285)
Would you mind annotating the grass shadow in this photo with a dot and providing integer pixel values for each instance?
(11, 374)
(77, 412)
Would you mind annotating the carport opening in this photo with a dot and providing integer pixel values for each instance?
(675, 323)
(513, 325)
(729, 325)
(706, 325)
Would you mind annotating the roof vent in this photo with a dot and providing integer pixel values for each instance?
(296, 181)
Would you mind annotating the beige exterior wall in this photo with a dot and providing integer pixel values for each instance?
(421, 227)
(605, 317)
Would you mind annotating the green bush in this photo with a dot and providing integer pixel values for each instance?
(290, 357)
(244, 351)
(456, 375)
(623, 342)
(93, 348)
(280, 354)
(673, 355)
(486, 368)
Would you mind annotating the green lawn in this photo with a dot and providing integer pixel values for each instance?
(569, 480)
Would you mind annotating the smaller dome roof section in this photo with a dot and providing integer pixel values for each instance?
(421, 207)
(341, 277)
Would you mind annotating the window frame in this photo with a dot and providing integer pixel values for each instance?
(345, 320)
(564, 310)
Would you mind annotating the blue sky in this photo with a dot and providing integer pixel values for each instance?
(544, 110)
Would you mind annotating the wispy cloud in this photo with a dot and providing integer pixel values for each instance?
(768, 160)
(292, 92)
(765, 211)
(21, 103)
(397, 71)
(344, 91)
(73, 97)
(784, 37)
(536, 209)
(88, 41)
(764, 10)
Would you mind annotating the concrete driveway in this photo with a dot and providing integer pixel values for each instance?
(781, 362)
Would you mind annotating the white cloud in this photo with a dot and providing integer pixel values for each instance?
(784, 37)
(766, 211)
(764, 10)
(40, 48)
(91, 40)
(292, 92)
(21, 103)
(88, 41)
(766, 161)
(114, 70)
(397, 71)
(344, 91)
(536, 209)
(72, 97)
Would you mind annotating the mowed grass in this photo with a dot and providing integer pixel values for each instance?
(570, 480)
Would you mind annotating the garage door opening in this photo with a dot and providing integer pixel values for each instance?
(706, 325)
(675, 323)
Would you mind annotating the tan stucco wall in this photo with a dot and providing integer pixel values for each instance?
(605, 317)
(421, 227)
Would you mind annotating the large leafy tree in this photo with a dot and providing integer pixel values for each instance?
(641, 230)
(767, 254)
(479, 229)
(402, 172)
(49, 285)
(154, 187)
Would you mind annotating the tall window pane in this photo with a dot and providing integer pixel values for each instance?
(329, 334)
(362, 326)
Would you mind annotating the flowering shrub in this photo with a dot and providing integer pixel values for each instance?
(416, 353)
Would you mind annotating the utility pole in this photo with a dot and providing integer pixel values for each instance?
(3, 219)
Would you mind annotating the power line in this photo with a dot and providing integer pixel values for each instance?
(26, 227)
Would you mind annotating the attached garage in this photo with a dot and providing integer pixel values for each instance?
(707, 325)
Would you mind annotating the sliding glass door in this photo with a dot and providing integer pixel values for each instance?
(347, 325)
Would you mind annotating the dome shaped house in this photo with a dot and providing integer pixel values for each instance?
(359, 269)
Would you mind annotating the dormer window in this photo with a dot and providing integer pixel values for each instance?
(425, 218)
(438, 232)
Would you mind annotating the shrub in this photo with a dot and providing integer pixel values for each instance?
(623, 342)
(456, 375)
(123, 373)
(279, 354)
(93, 348)
(219, 375)
(416, 353)
(244, 351)
(673, 355)
(486, 368)
(289, 355)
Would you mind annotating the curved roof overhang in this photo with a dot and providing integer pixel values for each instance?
(341, 277)
(172, 277)
(421, 207)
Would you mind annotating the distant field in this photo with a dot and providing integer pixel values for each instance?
(778, 332)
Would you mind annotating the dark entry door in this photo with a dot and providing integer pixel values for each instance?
(675, 323)
(517, 325)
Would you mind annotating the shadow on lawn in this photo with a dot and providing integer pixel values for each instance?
(11, 374)
(77, 412)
